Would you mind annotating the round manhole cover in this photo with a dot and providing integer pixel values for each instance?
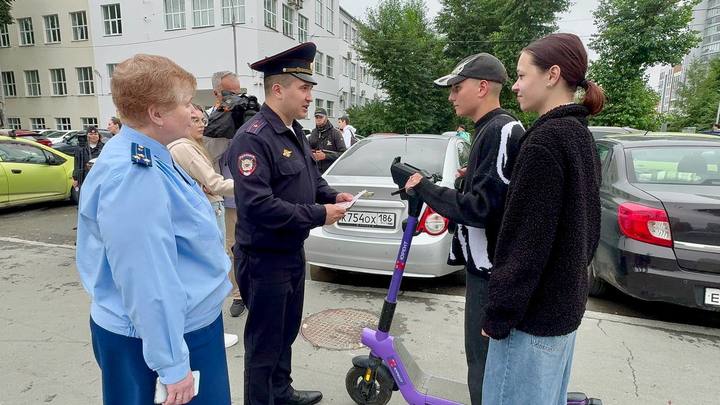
(337, 329)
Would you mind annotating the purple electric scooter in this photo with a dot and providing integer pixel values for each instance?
(390, 367)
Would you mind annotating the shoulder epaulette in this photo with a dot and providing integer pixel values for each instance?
(140, 155)
(256, 126)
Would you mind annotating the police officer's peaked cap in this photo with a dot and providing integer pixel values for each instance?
(481, 66)
(296, 61)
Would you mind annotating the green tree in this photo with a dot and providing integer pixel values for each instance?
(633, 36)
(405, 56)
(499, 27)
(5, 17)
(698, 97)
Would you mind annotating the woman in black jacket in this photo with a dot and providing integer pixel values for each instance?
(83, 155)
(538, 287)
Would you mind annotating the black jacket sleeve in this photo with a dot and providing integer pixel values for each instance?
(339, 143)
(488, 171)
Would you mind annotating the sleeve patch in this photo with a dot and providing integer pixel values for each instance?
(247, 164)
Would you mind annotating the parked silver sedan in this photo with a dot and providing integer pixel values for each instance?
(368, 237)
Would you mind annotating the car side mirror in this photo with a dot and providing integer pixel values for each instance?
(53, 160)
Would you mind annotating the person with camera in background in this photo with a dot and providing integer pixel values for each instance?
(326, 141)
(229, 112)
(89, 147)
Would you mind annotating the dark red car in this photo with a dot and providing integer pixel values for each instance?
(26, 134)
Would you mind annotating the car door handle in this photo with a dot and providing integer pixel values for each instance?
(16, 171)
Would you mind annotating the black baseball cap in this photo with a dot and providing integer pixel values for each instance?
(481, 66)
(321, 111)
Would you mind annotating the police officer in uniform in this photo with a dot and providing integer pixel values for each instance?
(280, 196)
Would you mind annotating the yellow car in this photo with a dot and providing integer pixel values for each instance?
(31, 173)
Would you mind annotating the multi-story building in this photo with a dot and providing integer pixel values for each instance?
(57, 57)
(706, 20)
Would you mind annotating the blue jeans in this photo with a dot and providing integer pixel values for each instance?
(527, 369)
(219, 210)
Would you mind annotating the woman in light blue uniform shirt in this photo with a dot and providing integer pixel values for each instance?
(149, 251)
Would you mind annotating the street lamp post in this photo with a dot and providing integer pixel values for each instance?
(234, 23)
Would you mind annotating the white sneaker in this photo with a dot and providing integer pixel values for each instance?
(230, 340)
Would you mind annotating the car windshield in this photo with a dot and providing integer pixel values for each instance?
(54, 134)
(675, 165)
(373, 156)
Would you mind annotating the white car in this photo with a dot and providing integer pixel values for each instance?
(368, 237)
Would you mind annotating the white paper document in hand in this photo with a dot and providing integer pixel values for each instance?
(348, 204)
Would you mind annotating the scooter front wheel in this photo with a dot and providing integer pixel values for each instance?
(375, 392)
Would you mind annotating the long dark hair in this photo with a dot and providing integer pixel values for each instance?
(568, 52)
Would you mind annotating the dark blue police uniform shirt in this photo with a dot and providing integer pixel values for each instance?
(278, 188)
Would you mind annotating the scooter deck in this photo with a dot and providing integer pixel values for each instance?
(429, 384)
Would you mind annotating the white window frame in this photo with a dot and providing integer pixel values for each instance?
(319, 60)
(330, 66)
(63, 123)
(345, 28)
(32, 83)
(303, 23)
(111, 69)
(353, 70)
(330, 15)
(319, 13)
(8, 83)
(78, 20)
(288, 19)
(25, 29)
(4, 36)
(58, 80)
(37, 123)
(354, 35)
(88, 121)
(331, 109)
(14, 123)
(86, 80)
(174, 15)
(227, 11)
(345, 66)
(112, 19)
(318, 103)
(270, 14)
(203, 13)
(52, 29)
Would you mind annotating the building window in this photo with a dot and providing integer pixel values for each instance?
(318, 103)
(271, 13)
(174, 14)
(32, 80)
(111, 69)
(203, 13)
(353, 70)
(319, 13)
(27, 37)
(112, 19)
(331, 109)
(59, 83)
(37, 124)
(288, 18)
(354, 36)
(344, 100)
(319, 62)
(8, 82)
(345, 31)
(85, 80)
(330, 15)
(4, 36)
(345, 64)
(88, 121)
(233, 10)
(79, 26)
(14, 123)
(52, 29)
(302, 28)
(63, 124)
(330, 66)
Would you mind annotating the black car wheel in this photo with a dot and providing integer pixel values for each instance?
(596, 286)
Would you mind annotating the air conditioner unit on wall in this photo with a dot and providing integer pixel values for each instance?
(296, 4)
